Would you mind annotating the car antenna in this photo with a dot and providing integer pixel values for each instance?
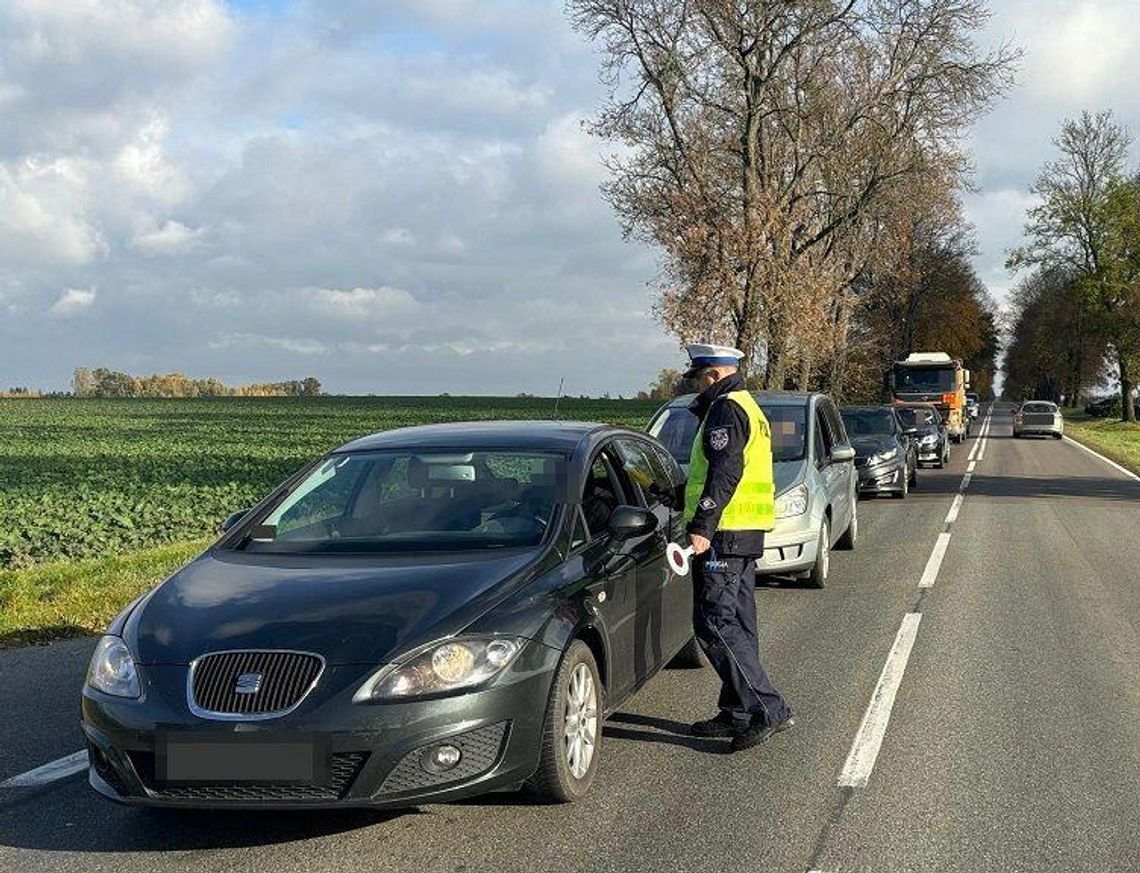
(558, 399)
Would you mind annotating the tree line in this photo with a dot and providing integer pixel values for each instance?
(797, 163)
(1075, 319)
(104, 382)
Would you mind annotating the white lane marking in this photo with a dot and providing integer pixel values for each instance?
(966, 481)
(952, 515)
(1108, 461)
(50, 772)
(970, 466)
(930, 574)
(865, 749)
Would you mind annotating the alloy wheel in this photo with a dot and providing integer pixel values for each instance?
(581, 721)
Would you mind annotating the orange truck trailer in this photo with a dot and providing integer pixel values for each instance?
(934, 377)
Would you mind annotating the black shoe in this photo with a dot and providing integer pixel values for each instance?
(721, 726)
(758, 733)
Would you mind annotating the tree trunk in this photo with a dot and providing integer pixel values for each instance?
(1127, 412)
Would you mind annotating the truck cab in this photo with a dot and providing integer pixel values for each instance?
(934, 377)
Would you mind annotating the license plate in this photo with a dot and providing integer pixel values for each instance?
(232, 759)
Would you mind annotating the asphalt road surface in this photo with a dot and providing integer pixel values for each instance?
(967, 702)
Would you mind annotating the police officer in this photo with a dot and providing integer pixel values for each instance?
(729, 504)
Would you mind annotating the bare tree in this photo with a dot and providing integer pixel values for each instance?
(759, 135)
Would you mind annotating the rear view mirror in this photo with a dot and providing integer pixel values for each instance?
(842, 453)
(232, 520)
(630, 522)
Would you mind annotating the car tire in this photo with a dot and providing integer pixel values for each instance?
(817, 576)
(941, 462)
(1058, 436)
(559, 777)
(850, 537)
(691, 657)
(914, 475)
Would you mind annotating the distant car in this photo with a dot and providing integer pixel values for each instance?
(922, 423)
(816, 482)
(421, 615)
(972, 407)
(1038, 418)
(1109, 407)
(886, 457)
(1103, 407)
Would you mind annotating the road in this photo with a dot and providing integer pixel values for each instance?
(1013, 742)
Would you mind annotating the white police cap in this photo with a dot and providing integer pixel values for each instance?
(702, 355)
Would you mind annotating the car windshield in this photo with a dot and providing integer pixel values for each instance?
(399, 501)
(868, 422)
(918, 417)
(928, 379)
(1039, 407)
(676, 427)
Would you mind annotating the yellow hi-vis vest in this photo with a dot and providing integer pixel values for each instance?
(753, 504)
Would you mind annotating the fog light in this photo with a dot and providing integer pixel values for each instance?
(440, 759)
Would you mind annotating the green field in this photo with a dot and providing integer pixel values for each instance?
(100, 498)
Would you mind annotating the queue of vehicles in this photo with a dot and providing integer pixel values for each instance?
(437, 612)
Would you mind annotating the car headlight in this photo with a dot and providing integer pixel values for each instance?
(112, 669)
(794, 501)
(883, 457)
(441, 667)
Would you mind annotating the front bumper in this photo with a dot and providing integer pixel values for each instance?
(930, 454)
(882, 478)
(791, 547)
(374, 750)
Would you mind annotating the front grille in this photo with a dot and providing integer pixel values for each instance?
(284, 680)
(343, 768)
(480, 750)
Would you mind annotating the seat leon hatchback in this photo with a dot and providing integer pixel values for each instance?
(421, 615)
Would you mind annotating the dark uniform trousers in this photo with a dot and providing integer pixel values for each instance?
(724, 618)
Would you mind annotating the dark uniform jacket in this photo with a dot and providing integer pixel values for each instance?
(722, 418)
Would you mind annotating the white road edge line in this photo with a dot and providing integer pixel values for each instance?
(930, 574)
(865, 749)
(1108, 461)
(966, 482)
(970, 466)
(50, 772)
(952, 515)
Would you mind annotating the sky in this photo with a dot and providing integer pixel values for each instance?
(394, 196)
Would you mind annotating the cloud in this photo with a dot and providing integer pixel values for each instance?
(73, 301)
(171, 238)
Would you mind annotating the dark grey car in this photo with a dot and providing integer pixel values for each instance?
(421, 615)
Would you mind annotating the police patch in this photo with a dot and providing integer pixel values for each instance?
(707, 503)
(718, 438)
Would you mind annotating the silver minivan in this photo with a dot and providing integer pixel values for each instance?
(816, 481)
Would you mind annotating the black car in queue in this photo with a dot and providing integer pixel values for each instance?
(923, 423)
(886, 457)
(421, 615)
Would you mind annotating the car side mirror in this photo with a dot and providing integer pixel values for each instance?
(630, 522)
(232, 520)
(842, 453)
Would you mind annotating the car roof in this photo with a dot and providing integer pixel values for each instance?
(772, 398)
(560, 436)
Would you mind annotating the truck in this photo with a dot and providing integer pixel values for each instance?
(933, 377)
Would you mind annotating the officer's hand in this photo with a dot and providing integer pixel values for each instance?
(699, 543)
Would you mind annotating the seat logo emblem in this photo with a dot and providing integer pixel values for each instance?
(248, 683)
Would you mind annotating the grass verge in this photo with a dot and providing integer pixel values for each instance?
(1111, 437)
(73, 598)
